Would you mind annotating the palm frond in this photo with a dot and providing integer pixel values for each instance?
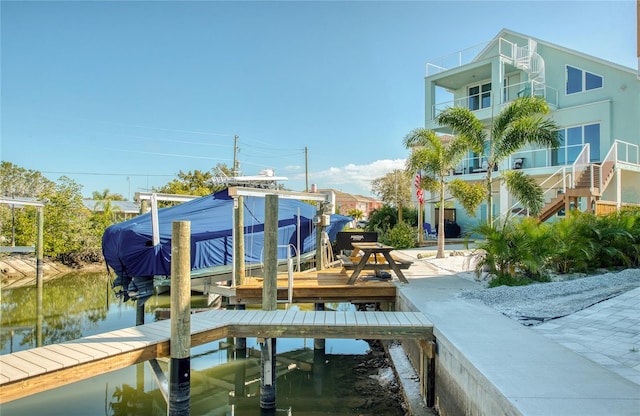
(470, 195)
(525, 189)
(464, 124)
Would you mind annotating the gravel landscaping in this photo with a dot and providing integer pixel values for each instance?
(539, 302)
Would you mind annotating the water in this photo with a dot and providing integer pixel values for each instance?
(82, 304)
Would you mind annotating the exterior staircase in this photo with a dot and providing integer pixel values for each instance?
(586, 185)
(528, 59)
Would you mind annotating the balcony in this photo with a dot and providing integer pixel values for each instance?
(532, 159)
(481, 102)
(454, 60)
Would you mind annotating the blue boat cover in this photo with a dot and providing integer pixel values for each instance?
(128, 246)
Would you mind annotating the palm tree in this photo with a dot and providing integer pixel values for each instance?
(436, 157)
(519, 124)
(106, 195)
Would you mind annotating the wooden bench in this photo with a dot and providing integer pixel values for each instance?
(348, 263)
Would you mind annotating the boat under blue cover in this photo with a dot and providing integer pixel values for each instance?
(129, 250)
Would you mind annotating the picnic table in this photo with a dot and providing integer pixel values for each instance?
(374, 249)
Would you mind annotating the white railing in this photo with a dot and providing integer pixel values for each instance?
(532, 159)
(530, 88)
(627, 152)
(459, 102)
(454, 60)
(507, 49)
(621, 151)
(581, 165)
(510, 93)
(560, 185)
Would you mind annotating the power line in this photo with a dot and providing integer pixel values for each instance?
(105, 174)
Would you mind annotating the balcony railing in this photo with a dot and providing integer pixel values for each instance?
(454, 60)
(524, 159)
(510, 92)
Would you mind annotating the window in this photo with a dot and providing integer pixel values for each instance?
(480, 96)
(579, 80)
(573, 139)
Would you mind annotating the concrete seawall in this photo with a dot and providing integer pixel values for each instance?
(488, 364)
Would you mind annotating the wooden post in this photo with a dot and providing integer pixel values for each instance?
(39, 277)
(241, 342)
(39, 248)
(269, 303)
(318, 370)
(270, 282)
(238, 256)
(428, 371)
(139, 313)
(180, 363)
(420, 223)
(319, 254)
(319, 343)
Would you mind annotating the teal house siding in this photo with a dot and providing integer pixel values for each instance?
(595, 103)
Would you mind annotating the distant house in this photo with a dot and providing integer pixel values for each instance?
(344, 202)
(122, 209)
(596, 104)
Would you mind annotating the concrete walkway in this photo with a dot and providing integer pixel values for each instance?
(582, 364)
(607, 333)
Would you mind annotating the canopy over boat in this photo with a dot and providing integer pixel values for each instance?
(129, 250)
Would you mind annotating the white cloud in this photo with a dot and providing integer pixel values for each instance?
(354, 179)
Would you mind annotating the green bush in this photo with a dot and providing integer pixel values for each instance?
(521, 252)
(400, 236)
(514, 249)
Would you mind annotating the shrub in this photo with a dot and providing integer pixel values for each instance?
(514, 253)
(573, 242)
(400, 236)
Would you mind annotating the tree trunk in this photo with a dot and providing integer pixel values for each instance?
(440, 253)
(489, 197)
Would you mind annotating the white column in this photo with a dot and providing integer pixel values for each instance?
(618, 188)
(504, 199)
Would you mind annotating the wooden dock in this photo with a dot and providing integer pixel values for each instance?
(324, 286)
(39, 369)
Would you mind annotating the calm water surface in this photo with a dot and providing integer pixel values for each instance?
(82, 304)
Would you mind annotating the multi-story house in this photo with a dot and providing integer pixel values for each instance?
(343, 202)
(595, 103)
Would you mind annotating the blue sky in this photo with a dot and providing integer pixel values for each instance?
(124, 95)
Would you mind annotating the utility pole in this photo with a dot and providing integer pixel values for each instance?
(235, 169)
(306, 168)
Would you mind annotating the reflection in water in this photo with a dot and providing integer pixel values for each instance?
(225, 378)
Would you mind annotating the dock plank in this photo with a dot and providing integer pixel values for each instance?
(39, 369)
(88, 349)
(16, 360)
(48, 361)
(75, 355)
(298, 318)
(309, 318)
(51, 354)
(10, 372)
(382, 318)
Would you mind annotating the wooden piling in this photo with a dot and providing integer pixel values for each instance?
(270, 278)
(319, 343)
(269, 303)
(241, 342)
(238, 256)
(318, 226)
(39, 248)
(180, 363)
(39, 277)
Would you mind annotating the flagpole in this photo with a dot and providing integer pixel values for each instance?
(420, 197)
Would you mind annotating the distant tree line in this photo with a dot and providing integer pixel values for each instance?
(72, 233)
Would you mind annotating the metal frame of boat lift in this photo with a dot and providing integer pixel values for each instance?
(234, 192)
